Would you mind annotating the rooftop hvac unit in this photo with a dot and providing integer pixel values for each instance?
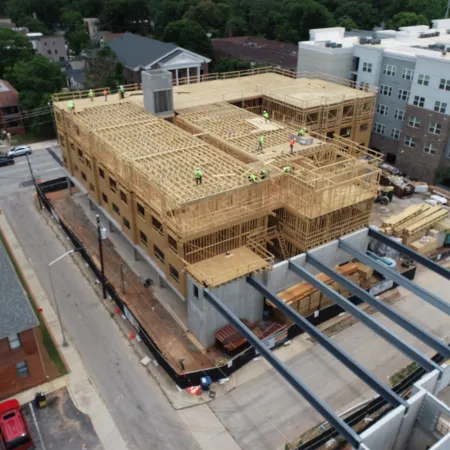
(364, 40)
(376, 41)
(338, 45)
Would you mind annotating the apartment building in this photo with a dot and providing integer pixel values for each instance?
(411, 67)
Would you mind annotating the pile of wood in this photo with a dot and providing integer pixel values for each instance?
(413, 222)
(306, 299)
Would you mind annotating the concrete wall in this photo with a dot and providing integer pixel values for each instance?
(205, 320)
(52, 47)
(336, 62)
(154, 81)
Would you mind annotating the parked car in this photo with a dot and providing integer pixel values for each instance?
(6, 160)
(20, 151)
(14, 431)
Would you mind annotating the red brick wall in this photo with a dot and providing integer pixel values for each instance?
(10, 383)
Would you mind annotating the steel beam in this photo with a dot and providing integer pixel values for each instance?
(396, 277)
(428, 263)
(321, 407)
(380, 306)
(390, 396)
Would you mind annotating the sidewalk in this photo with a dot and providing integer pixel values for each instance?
(81, 390)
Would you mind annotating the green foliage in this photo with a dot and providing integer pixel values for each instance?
(347, 23)
(76, 35)
(13, 48)
(230, 65)
(34, 25)
(45, 10)
(104, 70)
(406, 19)
(361, 12)
(35, 78)
(211, 16)
(190, 35)
(119, 16)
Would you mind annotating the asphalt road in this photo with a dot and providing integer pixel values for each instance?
(139, 409)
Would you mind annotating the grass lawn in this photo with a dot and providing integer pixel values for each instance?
(47, 339)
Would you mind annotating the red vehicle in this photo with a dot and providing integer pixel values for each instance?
(14, 431)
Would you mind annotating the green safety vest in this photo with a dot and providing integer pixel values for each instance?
(71, 105)
(301, 132)
(286, 169)
(122, 89)
(264, 172)
(91, 94)
(266, 115)
(253, 177)
(261, 140)
(197, 174)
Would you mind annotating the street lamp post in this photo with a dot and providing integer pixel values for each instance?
(100, 249)
(55, 300)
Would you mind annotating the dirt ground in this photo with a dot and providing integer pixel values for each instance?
(158, 323)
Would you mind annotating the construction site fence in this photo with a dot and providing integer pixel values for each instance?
(186, 379)
(98, 92)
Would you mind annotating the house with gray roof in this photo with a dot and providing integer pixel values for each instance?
(139, 53)
(21, 366)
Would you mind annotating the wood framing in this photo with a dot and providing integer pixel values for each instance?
(141, 170)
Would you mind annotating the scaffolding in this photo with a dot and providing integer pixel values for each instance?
(329, 190)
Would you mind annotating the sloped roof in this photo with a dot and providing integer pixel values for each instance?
(8, 95)
(133, 50)
(17, 314)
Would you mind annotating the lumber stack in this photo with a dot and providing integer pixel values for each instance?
(306, 299)
(413, 222)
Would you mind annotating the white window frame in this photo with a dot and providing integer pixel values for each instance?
(378, 128)
(423, 79)
(382, 109)
(410, 141)
(444, 84)
(438, 107)
(14, 341)
(399, 114)
(385, 90)
(414, 122)
(363, 86)
(403, 94)
(395, 134)
(420, 101)
(435, 128)
(429, 149)
(389, 70)
(367, 67)
(408, 74)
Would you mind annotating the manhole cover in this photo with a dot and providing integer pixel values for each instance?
(25, 184)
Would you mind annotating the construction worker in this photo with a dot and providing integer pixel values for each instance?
(260, 144)
(198, 176)
(266, 115)
(121, 92)
(264, 174)
(301, 132)
(291, 144)
(252, 178)
(91, 95)
(71, 105)
(287, 169)
(105, 93)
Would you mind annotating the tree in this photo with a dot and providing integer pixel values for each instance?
(45, 10)
(211, 16)
(348, 24)
(76, 34)
(36, 79)
(104, 70)
(190, 35)
(406, 19)
(34, 25)
(361, 12)
(230, 65)
(237, 25)
(119, 16)
(13, 48)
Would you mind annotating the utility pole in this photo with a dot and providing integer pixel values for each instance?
(100, 249)
(34, 182)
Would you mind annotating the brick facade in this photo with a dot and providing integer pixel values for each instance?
(10, 382)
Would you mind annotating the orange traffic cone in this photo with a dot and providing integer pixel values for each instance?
(117, 310)
(132, 336)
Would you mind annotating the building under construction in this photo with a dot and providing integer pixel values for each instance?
(136, 157)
